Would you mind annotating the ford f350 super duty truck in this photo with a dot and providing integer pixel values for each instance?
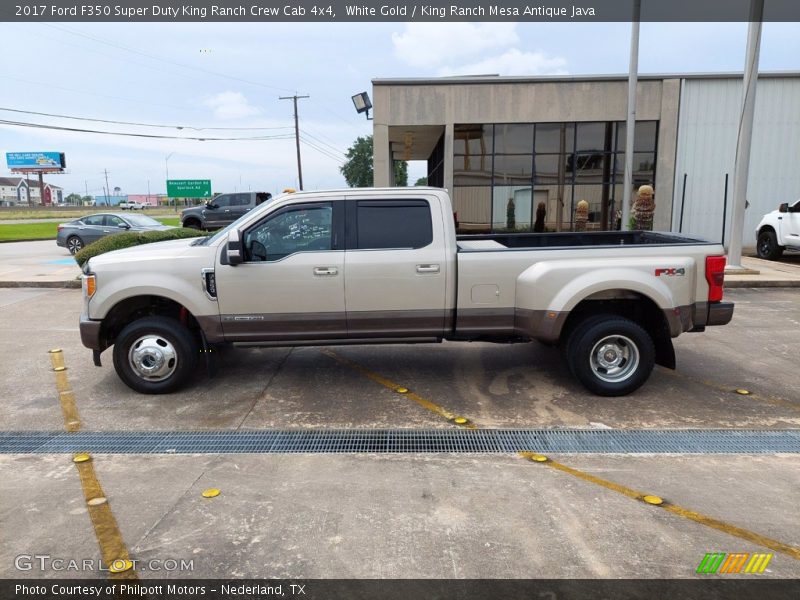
(363, 266)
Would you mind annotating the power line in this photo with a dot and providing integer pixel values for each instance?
(322, 151)
(43, 114)
(145, 135)
(319, 141)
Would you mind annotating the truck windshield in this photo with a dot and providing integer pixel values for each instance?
(205, 241)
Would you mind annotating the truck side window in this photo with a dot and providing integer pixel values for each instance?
(240, 199)
(394, 224)
(222, 201)
(297, 229)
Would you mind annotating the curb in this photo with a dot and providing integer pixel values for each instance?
(70, 283)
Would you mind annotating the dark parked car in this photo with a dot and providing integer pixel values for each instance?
(80, 232)
(222, 210)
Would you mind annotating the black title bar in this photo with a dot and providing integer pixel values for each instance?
(329, 11)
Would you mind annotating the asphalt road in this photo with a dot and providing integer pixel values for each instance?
(407, 515)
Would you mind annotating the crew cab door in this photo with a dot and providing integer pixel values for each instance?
(791, 227)
(290, 285)
(395, 269)
(217, 212)
(240, 204)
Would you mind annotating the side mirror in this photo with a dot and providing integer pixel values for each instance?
(124, 226)
(211, 205)
(784, 208)
(234, 249)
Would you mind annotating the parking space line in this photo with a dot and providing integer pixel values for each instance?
(650, 499)
(735, 391)
(427, 404)
(114, 553)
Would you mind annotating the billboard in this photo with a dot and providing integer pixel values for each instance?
(35, 160)
(189, 188)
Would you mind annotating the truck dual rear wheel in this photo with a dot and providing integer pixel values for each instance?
(155, 355)
(610, 355)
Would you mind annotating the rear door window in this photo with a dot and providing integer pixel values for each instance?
(395, 224)
(96, 220)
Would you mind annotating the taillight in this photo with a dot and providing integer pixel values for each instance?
(60, 227)
(715, 276)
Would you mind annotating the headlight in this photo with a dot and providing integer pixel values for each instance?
(89, 285)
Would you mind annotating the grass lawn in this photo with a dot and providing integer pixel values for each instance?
(48, 231)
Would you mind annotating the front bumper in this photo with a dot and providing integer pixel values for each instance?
(90, 333)
(719, 313)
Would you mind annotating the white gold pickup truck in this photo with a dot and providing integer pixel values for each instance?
(366, 266)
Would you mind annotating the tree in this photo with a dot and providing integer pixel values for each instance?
(422, 181)
(358, 170)
(73, 199)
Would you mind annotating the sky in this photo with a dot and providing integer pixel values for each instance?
(225, 80)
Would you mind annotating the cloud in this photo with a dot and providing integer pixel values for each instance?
(435, 44)
(230, 105)
(511, 62)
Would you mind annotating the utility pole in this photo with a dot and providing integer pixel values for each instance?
(296, 137)
(741, 167)
(108, 189)
(633, 78)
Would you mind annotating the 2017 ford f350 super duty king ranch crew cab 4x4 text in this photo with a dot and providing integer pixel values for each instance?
(385, 265)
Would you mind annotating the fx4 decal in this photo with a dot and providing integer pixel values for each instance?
(671, 272)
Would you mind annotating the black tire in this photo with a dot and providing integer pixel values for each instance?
(192, 224)
(159, 340)
(625, 364)
(74, 244)
(767, 245)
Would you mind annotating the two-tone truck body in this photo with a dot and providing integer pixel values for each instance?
(386, 266)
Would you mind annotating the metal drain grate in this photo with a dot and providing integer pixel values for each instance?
(338, 441)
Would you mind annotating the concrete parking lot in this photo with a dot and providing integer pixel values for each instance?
(443, 515)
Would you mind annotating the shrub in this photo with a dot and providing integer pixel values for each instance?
(118, 241)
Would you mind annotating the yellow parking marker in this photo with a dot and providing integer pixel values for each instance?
(739, 391)
(210, 493)
(427, 404)
(112, 547)
(650, 499)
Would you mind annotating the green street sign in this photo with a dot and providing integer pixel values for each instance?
(189, 188)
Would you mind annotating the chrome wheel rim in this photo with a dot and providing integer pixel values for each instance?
(74, 245)
(614, 358)
(153, 358)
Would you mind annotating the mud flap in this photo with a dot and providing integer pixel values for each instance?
(665, 352)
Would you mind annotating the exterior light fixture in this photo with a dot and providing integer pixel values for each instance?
(362, 103)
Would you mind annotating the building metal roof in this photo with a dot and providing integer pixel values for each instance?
(494, 79)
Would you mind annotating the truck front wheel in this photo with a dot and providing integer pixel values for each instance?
(610, 355)
(767, 245)
(155, 355)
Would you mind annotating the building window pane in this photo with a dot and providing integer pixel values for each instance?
(593, 194)
(552, 195)
(511, 208)
(513, 139)
(513, 169)
(591, 137)
(644, 136)
(644, 166)
(547, 168)
(555, 137)
(591, 168)
(472, 139)
(473, 208)
(472, 170)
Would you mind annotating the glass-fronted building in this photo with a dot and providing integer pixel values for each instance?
(511, 149)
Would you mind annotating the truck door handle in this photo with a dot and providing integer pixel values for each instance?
(326, 271)
(427, 268)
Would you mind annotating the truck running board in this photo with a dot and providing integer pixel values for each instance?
(352, 341)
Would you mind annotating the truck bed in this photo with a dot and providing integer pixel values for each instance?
(531, 241)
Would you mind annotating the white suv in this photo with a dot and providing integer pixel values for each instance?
(779, 231)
